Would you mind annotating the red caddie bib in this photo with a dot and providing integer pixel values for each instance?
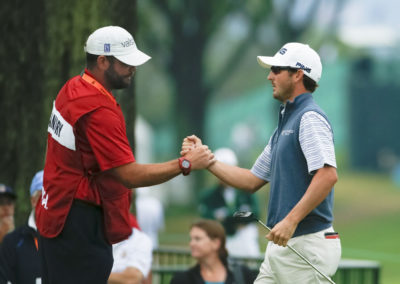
(67, 176)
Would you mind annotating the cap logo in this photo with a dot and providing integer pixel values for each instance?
(282, 51)
(301, 66)
(107, 47)
(128, 43)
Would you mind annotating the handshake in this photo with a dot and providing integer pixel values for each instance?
(198, 154)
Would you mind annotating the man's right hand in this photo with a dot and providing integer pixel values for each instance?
(189, 143)
(200, 157)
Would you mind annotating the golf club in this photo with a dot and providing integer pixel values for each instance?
(249, 215)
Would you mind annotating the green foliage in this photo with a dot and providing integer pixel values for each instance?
(206, 49)
(22, 93)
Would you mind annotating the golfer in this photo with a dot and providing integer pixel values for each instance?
(90, 167)
(299, 163)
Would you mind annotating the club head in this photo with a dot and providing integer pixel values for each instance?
(243, 215)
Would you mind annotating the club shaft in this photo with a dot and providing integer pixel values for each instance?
(301, 256)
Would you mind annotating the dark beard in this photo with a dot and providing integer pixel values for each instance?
(114, 81)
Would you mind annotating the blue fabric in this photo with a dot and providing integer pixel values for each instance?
(289, 172)
(7, 190)
(19, 257)
(37, 182)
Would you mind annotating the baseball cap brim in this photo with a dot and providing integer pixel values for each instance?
(7, 191)
(9, 194)
(135, 58)
(268, 61)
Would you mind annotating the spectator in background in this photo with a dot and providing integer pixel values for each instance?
(132, 258)
(207, 245)
(222, 201)
(7, 205)
(19, 252)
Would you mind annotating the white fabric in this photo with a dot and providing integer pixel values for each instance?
(226, 155)
(31, 220)
(262, 166)
(281, 265)
(316, 141)
(136, 251)
(295, 55)
(118, 42)
(244, 243)
(150, 216)
(229, 195)
(60, 130)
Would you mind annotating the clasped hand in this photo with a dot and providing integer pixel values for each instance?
(198, 154)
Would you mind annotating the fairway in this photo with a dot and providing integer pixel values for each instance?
(367, 211)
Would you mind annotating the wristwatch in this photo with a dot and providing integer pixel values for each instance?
(184, 165)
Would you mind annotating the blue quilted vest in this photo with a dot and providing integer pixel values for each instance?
(289, 173)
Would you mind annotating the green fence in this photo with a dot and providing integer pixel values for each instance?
(167, 261)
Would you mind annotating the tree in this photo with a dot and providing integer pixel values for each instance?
(22, 95)
(193, 26)
(186, 38)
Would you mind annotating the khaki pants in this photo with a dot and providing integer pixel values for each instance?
(282, 266)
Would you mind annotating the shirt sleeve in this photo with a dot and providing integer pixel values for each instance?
(316, 141)
(135, 252)
(106, 133)
(262, 166)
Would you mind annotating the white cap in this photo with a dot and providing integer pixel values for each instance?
(226, 156)
(296, 55)
(115, 41)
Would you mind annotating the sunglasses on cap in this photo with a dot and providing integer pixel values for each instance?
(277, 69)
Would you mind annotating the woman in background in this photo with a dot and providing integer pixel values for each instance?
(207, 245)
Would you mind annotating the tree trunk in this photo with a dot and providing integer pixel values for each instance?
(23, 123)
(124, 14)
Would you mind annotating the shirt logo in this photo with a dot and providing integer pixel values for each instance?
(45, 199)
(107, 47)
(287, 132)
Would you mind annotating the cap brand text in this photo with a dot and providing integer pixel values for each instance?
(301, 66)
(127, 43)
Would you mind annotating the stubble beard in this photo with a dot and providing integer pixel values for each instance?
(283, 93)
(114, 80)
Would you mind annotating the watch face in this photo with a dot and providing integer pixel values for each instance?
(185, 164)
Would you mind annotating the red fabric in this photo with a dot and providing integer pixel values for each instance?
(133, 221)
(101, 144)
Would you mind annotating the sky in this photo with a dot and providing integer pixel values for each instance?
(370, 23)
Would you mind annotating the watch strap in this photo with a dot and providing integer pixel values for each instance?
(185, 170)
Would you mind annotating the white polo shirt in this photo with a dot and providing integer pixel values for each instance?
(136, 251)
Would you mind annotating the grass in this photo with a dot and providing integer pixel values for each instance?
(367, 212)
(367, 216)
